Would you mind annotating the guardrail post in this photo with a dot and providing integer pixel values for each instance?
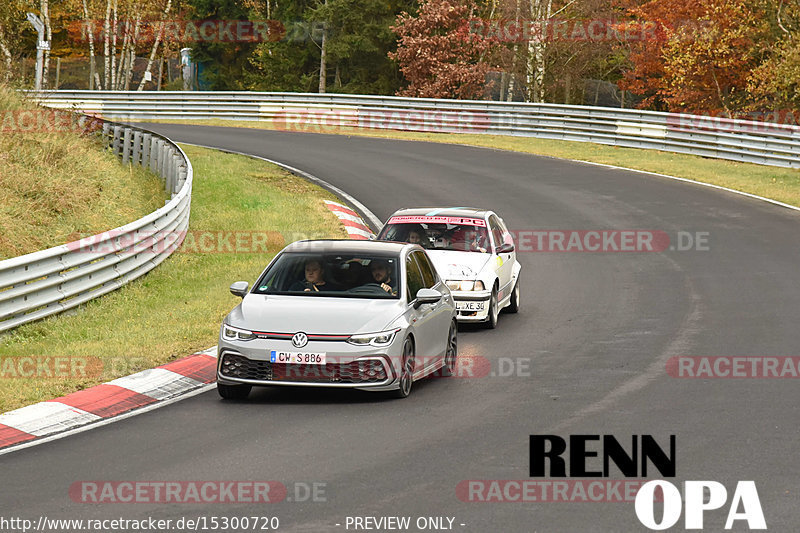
(169, 177)
(107, 134)
(154, 154)
(146, 140)
(182, 173)
(137, 147)
(161, 158)
(175, 171)
(126, 146)
(115, 144)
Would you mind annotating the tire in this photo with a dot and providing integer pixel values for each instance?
(451, 355)
(407, 370)
(491, 320)
(233, 392)
(513, 306)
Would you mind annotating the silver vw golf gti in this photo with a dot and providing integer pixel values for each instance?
(339, 313)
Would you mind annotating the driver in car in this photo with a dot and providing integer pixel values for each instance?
(314, 280)
(380, 273)
(416, 235)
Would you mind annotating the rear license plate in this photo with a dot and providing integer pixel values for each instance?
(470, 306)
(298, 358)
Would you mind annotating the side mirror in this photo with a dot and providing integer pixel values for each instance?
(427, 296)
(239, 288)
(505, 248)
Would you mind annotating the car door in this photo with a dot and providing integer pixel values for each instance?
(420, 316)
(440, 312)
(503, 263)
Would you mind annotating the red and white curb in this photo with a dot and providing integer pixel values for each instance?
(147, 388)
(353, 223)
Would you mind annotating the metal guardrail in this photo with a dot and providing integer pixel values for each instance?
(49, 281)
(738, 140)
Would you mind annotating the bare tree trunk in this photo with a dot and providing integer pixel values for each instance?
(93, 74)
(132, 57)
(107, 45)
(510, 91)
(44, 6)
(155, 46)
(6, 53)
(123, 56)
(322, 59)
(114, 48)
(322, 65)
(536, 50)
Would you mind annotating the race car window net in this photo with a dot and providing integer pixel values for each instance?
(465, 235)
(331, 275)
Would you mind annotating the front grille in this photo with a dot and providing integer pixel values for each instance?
(240, 367)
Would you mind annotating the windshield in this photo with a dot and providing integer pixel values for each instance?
(462, 234)
(339, 275)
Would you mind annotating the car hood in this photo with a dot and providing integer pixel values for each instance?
(314, 314)
(451, 264)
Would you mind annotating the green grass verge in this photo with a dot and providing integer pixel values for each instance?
(780, 184)
(178, 307)
(56, 183)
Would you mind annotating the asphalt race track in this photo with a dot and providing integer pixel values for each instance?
(589, 348)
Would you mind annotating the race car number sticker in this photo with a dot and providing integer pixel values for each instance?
(421, 219)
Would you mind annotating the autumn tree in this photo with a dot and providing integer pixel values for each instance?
(12, 16)
(438, 54)
(702, 55)
(775, 84)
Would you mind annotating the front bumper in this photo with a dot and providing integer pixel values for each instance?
(347, 366)
(468, 315)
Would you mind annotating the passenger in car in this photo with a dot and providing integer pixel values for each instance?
(380, 271)
(416, 235)
(314, 280)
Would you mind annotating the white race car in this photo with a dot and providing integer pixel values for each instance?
(472, 250)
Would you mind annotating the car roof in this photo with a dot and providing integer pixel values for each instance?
(348, 246)
(443, 211)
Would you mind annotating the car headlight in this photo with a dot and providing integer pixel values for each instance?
(230, 333)
(384, 338)
(465, 285)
